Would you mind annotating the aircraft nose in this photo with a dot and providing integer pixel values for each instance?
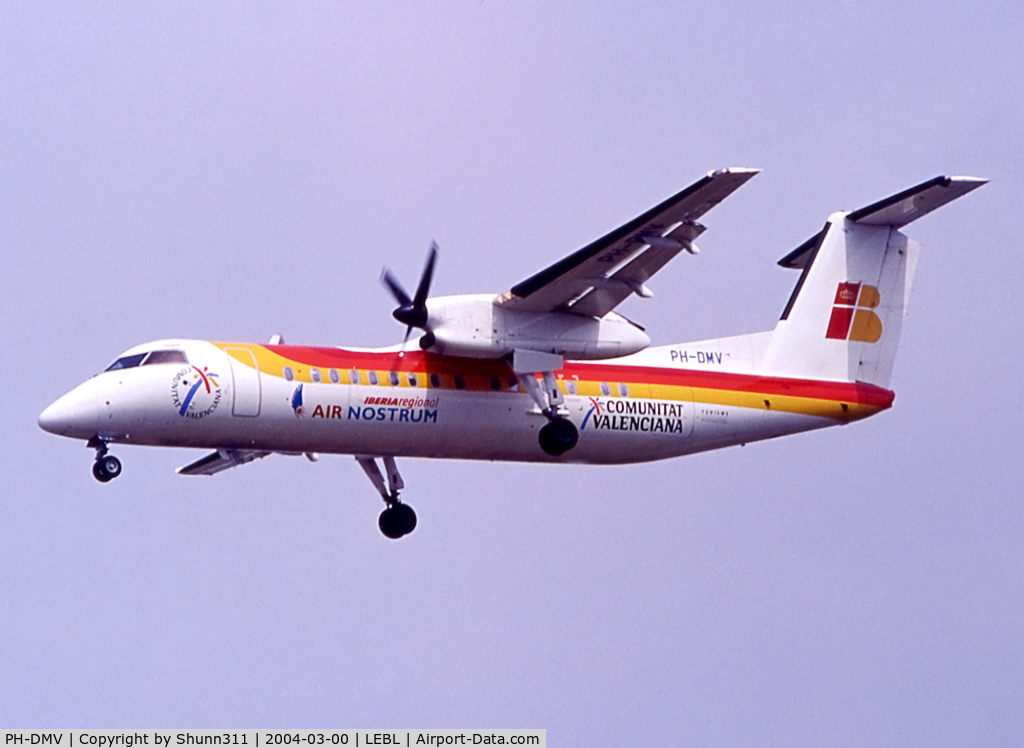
(74, 414)
(54, 418)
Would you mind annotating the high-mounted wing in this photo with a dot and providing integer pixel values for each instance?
(220, 460)
(595, 279)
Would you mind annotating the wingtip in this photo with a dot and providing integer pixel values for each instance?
(972, 181)
(736, 171)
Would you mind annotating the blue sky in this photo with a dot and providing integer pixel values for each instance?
(231, 171)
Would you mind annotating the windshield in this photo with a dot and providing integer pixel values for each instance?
(166, 357)
(150, 357)
(127, 362)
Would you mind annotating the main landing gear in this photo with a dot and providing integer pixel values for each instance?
(107, 467)
(397, 519)
(559, 434)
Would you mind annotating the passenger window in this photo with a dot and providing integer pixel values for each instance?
(460, 382)
(605, 389)
(289, 374)
(435, 381)
(353, 376)
(513, 384)
(570, 387)
(166, 357)
(393, 378)
(413, 381)
(314, 374)
(126, 362)
(623, 389)
(334, 376)
(495, 384)
(372, 376)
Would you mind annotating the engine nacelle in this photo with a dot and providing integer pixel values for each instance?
(475, 327)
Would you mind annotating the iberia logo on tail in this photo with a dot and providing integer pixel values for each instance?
(852, 318)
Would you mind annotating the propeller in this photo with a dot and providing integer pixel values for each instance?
(412, 312)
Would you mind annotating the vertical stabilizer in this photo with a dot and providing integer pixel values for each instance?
(844, 319)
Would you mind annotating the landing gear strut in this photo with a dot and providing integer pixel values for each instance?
(107, 467)
(559, 434)
(397, 519)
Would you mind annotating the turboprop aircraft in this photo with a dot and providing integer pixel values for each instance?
(544, 372)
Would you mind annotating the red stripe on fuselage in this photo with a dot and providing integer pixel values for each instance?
(418, 361)
(850, 392)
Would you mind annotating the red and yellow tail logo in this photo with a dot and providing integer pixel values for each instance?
(852, 318)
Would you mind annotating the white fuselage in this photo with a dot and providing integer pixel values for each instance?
(660, 403)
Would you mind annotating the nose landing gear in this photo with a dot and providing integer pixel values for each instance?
(107, 467)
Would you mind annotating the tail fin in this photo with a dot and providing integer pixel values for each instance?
(844, 318)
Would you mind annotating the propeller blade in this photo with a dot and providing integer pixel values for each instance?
(391, 283)
(428, 273)
(412, 312)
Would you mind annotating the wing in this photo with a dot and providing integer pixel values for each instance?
(220, 460)
(595, 279)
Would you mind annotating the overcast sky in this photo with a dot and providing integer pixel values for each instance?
(230, 171)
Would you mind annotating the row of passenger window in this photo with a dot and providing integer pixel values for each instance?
(434, 381)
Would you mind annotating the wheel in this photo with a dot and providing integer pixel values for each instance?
(388, 524)
(111, 466)
(566, 433)
(558, 436)
(397, 520)
(406, 517)
(106, 468)
(99, 472)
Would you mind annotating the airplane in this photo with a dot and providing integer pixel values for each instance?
(543, 372)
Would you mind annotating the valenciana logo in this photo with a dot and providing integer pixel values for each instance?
(852, 318)
(635, 415)
(195, 392)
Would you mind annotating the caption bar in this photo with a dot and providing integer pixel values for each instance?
(268, 738)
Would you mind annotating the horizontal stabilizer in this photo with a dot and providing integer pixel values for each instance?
(800, 257)
(896, 211)
(220, 460)
(909, 205)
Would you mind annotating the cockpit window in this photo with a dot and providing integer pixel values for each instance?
(127, 362)
(166, 357)
(151, 357)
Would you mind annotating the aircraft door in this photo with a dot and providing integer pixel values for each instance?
(245, 382)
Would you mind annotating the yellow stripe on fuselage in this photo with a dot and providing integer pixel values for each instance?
(273, 363)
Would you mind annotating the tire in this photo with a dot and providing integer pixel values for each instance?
(558, 437)
(548, 442)
(565, 433)
(111, 466)
(406, 517)
(390, 524)
(99, 472)
(397, 520)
